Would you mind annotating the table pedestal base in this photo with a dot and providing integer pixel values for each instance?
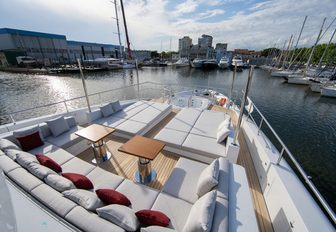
(100, 152)
(145, 174)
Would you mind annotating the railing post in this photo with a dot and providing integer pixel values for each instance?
(261, 122)
(243, 104)
(233, 79)
(12, 118)
(84, 85)
(280, 156)
(66, 106)
(137, 74)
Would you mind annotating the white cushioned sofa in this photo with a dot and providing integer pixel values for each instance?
(193, 133)
(136, 118)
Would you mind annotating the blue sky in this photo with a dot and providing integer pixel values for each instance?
(252, 24)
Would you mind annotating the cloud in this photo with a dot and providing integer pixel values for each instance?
(211, 13)
(152, 22)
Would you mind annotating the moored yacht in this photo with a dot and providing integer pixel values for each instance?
(224, 63)
(182, 62)
(197, 63)
(255, 187)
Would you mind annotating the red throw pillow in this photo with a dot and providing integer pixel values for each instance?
(80, 181)
(48, 162)
(152, 218)
(30, 141)
(110, 196)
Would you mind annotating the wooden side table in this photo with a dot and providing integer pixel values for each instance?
(146, 149)
(96, 133)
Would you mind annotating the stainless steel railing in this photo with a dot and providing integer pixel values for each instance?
(296, 164)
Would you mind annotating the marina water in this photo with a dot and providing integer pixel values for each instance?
(305, 121)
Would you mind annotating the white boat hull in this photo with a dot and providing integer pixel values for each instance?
(315, 87)
(328, 91)
(299, 81)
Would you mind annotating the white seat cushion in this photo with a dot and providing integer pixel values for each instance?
(176, 209)
(171, 137)
(184, 120)
(131, 127)
(44, 149)
(53, 199)
(23, 178)
(66, 138)
(78, 166)
(90, 222)
(182, 182)
(7, 164)
(208, 122)
(242, 214)
(60, 156)
(104, 179)
(204, 145)
(141, 196)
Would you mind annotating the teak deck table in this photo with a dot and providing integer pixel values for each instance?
(95, 134)
(146, 149)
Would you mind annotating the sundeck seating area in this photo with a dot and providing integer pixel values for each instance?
(193, 134)
(178, 198)
(137, 118)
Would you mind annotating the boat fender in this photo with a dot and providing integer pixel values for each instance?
(222, 101)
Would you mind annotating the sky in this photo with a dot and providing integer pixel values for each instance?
(158, 24)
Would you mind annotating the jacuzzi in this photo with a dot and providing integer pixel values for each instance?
(191, 102)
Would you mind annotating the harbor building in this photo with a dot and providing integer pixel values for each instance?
(205, 41)
(185, 44)
(221, 47)
(91, 51)
(50, 49)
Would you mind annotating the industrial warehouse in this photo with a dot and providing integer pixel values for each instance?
(49, 49)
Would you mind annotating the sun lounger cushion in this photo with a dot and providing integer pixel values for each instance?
(141, 196)
(182, 183)
(104, 179)
(53, 199)
(208, 122)
(204, 145)
(176, 209)
(184, 120)
(131, 127)
(111, 121)
(171, 137)
(90, 222)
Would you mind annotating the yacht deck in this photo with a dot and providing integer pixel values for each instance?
(126, 165)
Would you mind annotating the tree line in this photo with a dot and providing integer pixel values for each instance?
(302, 54)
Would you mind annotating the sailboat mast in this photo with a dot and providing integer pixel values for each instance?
(116, 12)
(126, 32)
(286, 53)
(326, 49)
(297, 42)
(311, 54)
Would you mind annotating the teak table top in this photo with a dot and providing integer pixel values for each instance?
(95, 132)
(142, 147)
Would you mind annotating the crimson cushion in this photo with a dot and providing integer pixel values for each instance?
(30, 141)
(80, 181)
(110, 196)
(48, 162)
(152, 218)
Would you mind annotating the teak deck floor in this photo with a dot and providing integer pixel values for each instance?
(126, 165)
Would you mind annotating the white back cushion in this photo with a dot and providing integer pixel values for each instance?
(58, 126)
(59, 183)
(84, 198)
(208, 178)
(201, 214)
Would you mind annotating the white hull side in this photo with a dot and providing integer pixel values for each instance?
(328, 91)
(299, 81)
(316, 87)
